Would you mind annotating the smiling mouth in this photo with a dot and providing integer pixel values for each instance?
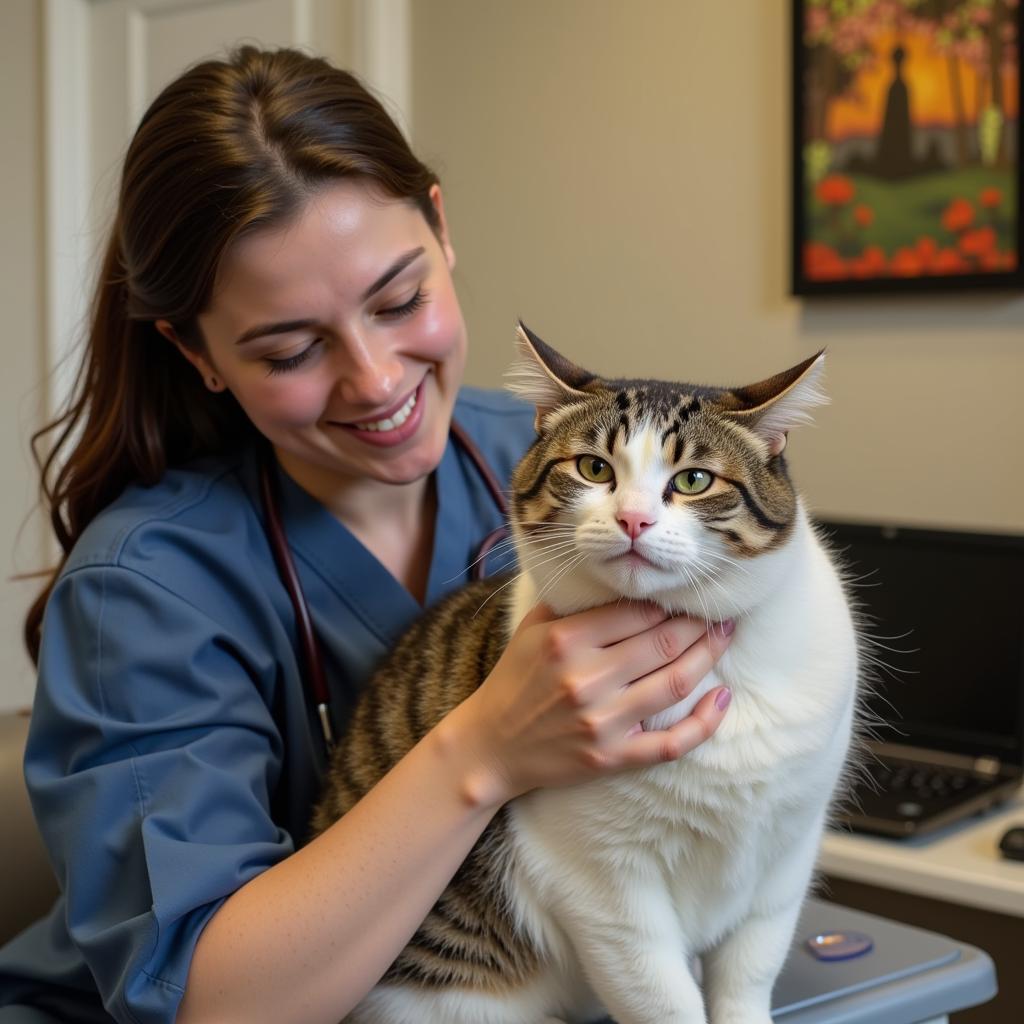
(393, 420)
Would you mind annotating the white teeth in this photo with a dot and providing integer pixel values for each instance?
(392, 422)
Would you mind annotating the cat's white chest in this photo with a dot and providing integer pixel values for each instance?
(699, 834)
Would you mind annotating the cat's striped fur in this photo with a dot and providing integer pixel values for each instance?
(493, 949)
(469, 938)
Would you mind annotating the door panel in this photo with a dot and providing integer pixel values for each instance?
(105, 62)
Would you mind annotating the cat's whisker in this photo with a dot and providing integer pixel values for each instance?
(552, 557)
(706, 574)
(502, 545)
(871, 689)
(729, 561)
(716, 604)
(559, 573)
(548, 536)
(498, 590)
(556, 546)
(555, 542)
(519, 575)
(877, 638)
(570, 563)
(543, 527)
(549, 542)
(686, 552)
(700, 597)
(715, 580)
(506, 543)
(852, 580)
(884, 668)
(533, 539)
(500, 548)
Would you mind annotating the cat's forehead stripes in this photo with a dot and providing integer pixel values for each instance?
(638, 455)
(657, 399)
(753, 512)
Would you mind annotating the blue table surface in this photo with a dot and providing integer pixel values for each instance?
(908, 976)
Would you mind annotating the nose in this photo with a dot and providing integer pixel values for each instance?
(634, 523)
(367, 378)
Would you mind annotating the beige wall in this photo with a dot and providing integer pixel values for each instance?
(21, 355)
(617, 174)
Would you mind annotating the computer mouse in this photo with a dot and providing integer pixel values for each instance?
(1012, 843)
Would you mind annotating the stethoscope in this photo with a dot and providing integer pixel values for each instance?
(315, 680)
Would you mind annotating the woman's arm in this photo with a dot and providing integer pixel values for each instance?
(305, 940)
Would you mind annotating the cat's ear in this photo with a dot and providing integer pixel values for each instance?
(543, 376)
(770, 408)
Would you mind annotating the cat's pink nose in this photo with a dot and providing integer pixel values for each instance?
(634, 523)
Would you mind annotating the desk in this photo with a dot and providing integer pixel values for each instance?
(959, 864)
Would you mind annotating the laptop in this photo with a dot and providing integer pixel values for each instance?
(945, 612)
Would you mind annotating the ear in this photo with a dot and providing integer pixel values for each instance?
(203, 366)
(543, 376)
(437, 201)
(772, 407)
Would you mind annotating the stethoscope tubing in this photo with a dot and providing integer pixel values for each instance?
(314, 676)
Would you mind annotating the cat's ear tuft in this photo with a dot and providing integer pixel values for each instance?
(771, 408)
(543, 376)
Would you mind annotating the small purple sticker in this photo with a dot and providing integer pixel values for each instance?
(839, 945)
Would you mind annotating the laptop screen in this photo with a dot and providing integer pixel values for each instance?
(945, 610)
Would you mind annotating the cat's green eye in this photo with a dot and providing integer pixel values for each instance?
(692, 481)
(596, 470)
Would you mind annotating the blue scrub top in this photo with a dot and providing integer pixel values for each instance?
(173, 754)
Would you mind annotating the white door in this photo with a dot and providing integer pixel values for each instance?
(107, 59)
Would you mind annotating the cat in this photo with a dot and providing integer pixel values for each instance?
(594, 899)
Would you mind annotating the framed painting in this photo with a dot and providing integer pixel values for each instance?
(906, 160)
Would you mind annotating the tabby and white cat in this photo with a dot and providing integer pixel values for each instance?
(594, 898)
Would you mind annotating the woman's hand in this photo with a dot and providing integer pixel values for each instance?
(565, 701)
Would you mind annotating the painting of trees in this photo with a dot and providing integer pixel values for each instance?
(906, 143)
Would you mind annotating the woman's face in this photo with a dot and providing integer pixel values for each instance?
(341, 337)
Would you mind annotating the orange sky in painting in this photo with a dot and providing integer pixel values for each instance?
(926, 73)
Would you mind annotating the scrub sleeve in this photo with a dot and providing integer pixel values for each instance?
(172, 754)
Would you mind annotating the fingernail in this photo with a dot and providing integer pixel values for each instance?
(723, 698)
(728, 625)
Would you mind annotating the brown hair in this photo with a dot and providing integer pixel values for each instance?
(227, 148)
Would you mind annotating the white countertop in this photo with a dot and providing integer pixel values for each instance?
(959, 864)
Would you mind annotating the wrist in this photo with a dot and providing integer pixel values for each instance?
(463, 745)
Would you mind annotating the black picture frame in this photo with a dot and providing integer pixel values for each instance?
(824, 255)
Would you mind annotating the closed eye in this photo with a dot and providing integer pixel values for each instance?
(406, 308)
(275, 366)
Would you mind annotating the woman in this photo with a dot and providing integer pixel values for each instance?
(278, 287)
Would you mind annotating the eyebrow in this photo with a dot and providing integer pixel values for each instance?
(394, 270)
(287, 326)
(284, 327)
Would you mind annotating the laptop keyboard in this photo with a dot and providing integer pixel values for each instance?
(902, 798)
(923, 783)
(909, 795)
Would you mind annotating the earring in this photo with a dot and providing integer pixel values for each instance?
(213, 383)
